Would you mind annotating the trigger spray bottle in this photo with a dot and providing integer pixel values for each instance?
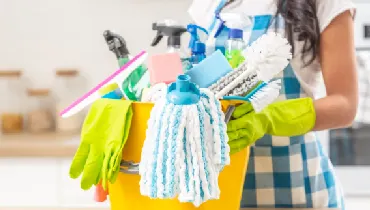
(136, 80)
(198, 48)
(235, 44)
(173, 32)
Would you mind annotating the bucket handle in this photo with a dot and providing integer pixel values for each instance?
(129, 167)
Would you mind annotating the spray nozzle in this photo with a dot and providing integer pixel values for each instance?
(116, 44)
(193, 31)
(183, 92)
(170, 29)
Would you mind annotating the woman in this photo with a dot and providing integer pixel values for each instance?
(287, 166)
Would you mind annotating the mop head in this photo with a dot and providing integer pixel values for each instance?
(185, 150)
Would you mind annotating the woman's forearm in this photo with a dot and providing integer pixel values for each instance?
(338, 63)
(335, 111)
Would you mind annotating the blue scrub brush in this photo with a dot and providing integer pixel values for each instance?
(186, 145)
(260, 97)
(250, 82)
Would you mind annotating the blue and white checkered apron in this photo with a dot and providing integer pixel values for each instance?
(287, 172)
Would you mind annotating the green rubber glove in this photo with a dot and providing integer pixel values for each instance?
(285, 118)
(104, 133)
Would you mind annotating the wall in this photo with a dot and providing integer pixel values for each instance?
(362, 18)
(41, 35)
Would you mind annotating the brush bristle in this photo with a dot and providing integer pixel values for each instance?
(269, 55)
(265, 95)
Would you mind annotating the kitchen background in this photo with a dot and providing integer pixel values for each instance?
(49, 48)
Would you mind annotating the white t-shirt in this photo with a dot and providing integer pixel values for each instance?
(327, 10)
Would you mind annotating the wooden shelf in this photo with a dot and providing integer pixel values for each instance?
(39, 145)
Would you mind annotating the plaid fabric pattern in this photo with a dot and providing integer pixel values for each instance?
(287, 172)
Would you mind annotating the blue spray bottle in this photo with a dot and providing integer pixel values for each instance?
(197, 47)
(198, 53)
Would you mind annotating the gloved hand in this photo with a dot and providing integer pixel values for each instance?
(285, 118)
(104, 133)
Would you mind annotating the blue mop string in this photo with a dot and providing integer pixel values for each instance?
(202, 142)
(187, 176)
(164, 161)
(222, 136)
(171, 187)
(220, 119)
(153, 192)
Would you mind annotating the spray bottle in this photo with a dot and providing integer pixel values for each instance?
(235, 44)
(173, 31)
(197, 53)
(197, 47)
(136, 80)
(214, 32)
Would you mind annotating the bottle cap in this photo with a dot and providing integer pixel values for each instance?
(235, 34)
(199, 48)
(183, 92)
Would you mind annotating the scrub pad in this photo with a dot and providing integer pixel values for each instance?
(164, 68)
(210, 70)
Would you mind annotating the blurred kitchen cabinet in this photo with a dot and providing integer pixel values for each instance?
(71, 194)
(355, 203)
(28, 182)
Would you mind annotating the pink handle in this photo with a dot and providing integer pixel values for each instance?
(100, 194)
(104, 82)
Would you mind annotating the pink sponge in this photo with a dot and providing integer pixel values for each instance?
(164, 68)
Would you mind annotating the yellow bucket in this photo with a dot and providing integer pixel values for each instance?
(125, 192)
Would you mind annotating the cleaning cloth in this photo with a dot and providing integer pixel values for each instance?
(285, 118)
(103, 136)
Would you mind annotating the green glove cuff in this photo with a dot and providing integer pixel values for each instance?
(286, 118)
(290, 118)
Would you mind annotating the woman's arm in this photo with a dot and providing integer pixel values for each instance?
(337, 56)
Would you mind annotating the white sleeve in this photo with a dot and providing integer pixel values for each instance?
(328, 10)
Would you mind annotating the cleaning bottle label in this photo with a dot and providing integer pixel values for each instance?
(132, 87)
(235, 57)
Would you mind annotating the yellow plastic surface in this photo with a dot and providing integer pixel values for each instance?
(125, 192)
(108, 88)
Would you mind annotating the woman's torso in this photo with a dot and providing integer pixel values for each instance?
(287, 172)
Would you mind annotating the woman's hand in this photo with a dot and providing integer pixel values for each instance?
(285, 118)
(245, 129)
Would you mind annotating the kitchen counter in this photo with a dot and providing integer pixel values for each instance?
(38, 145)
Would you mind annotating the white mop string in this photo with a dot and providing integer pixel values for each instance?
(180, 161)
(191, 129)
(208, 176)
(162, 147)
(221, 148)
(199, 136)
(171, 151)
(161, 123)
(185, 148)
(145, 165)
